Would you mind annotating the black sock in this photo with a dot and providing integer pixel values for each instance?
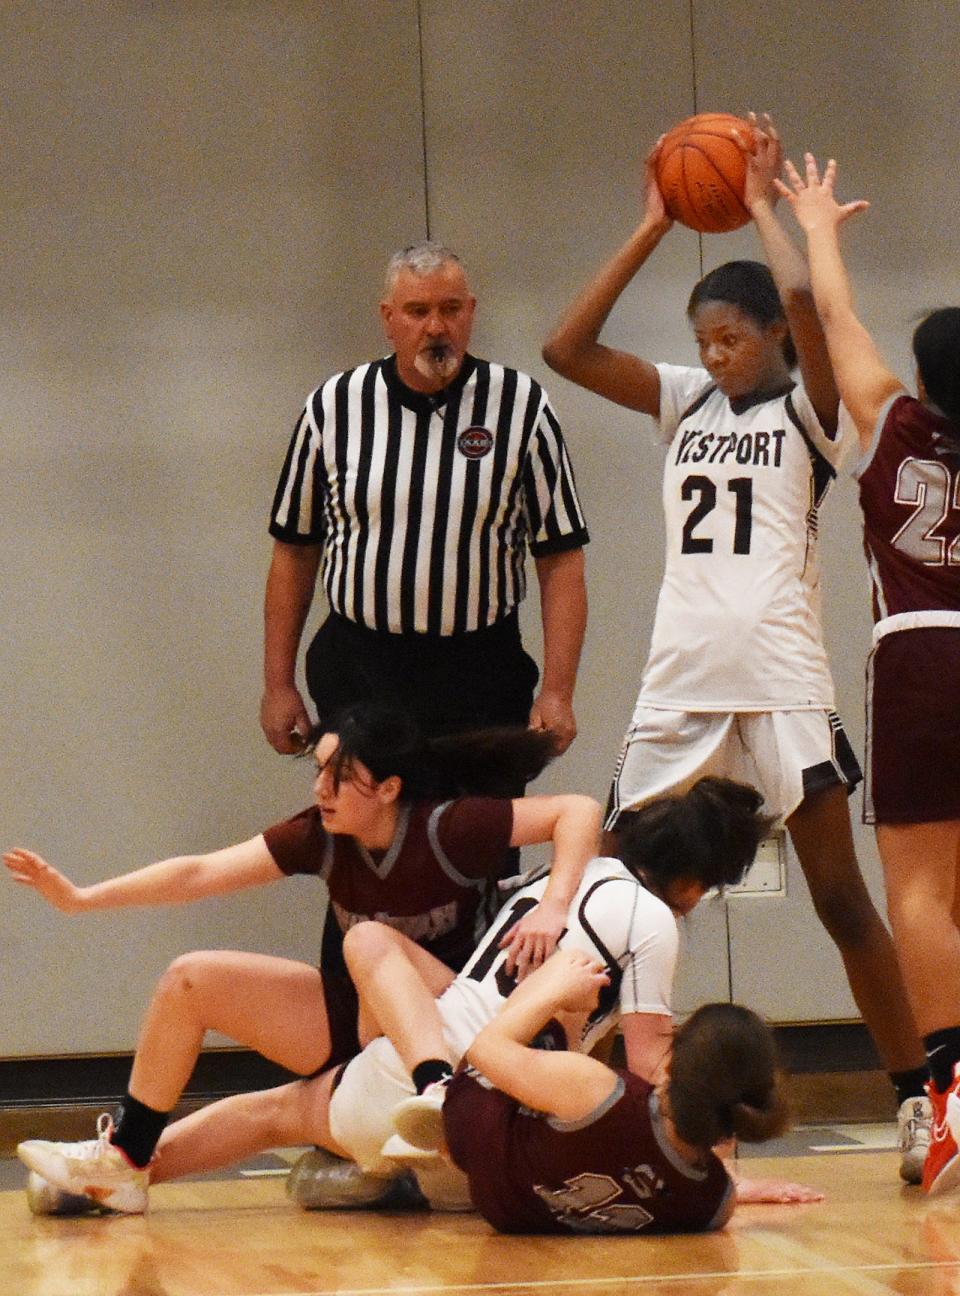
(910, 1084)
(943, 1052)
(137, 1129)
(427, 1073)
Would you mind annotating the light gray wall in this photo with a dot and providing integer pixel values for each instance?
(198, 202)
(199, 199)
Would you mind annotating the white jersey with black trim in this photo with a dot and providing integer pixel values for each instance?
(612, 917)
(738, 616)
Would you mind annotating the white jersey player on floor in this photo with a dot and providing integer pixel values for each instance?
(737, 682)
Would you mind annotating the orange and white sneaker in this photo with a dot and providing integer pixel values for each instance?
(941, 1169)
(94, 1168)
(44, 1198)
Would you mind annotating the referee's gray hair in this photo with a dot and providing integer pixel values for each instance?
(422, 258)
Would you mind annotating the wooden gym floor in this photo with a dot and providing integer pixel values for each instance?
(239, 1236)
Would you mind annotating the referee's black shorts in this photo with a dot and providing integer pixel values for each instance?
(449, 683)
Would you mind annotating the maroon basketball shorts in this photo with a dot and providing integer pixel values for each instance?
(913, 727)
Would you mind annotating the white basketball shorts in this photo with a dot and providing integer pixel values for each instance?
(785, 755)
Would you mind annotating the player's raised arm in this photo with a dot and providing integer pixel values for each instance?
(574, 350)
(790, 272)
(172, 881)
(865, 381)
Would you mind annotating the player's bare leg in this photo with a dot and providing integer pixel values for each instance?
(920, 864)
(272, 1005)
(822, 836)
(398, 983)
(243, 1125)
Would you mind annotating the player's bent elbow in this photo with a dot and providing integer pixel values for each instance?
(560, 357)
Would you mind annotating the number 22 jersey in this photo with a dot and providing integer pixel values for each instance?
(738, 616)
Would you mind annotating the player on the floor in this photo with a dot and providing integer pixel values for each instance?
(909, 479)
(564, 1144)
(389, 842)
(737, 680)
(623, 913)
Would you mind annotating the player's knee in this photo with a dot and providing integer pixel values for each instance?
(182, 977)
(365, 943)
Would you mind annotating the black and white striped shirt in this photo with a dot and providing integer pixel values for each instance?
(425, 506)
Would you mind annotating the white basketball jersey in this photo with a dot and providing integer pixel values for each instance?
(738, 616)
(612, 917)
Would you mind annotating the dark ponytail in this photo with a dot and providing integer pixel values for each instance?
(709, 835)
(936, 349)
(724, 1080)
(389, 742)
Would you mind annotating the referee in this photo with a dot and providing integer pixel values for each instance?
(414, 486)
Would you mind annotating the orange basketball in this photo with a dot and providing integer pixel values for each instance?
(700, 168)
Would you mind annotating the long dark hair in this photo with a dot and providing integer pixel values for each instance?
(724, 1079)
(389, 742)
(936, 349)
(709, 835)
(750, 287)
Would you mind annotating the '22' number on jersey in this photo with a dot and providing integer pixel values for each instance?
(930, 486)
(704, 490)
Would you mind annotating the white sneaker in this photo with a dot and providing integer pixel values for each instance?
(402, 1153)
(419, 1119)
(93, 1168)
(913, 1137)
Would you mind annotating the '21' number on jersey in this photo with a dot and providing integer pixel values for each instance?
(930, 486)
(704, 491)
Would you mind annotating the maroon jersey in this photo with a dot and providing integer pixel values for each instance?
(612, 1172)
(429, 884)
(910, 496)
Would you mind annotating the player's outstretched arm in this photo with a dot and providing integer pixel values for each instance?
(776, 1192)
(566, 1085)
(863, 377)
(172, 881)
(574, 350)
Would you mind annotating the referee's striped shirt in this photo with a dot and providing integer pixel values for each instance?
(425, 506)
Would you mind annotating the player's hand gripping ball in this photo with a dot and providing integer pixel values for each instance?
(700, 166)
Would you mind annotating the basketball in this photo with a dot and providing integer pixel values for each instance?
(700, 169)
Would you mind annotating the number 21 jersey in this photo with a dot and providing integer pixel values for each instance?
(738, 616)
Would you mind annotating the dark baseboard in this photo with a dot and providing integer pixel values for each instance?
(60, 1098)
(835, 1075)
(35, 1082)
(826, 1046)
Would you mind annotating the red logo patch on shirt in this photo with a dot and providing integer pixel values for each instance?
(475, 442)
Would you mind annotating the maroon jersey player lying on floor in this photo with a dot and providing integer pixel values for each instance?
(564, 1144)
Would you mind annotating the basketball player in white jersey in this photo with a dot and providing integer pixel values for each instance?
(737, 681)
